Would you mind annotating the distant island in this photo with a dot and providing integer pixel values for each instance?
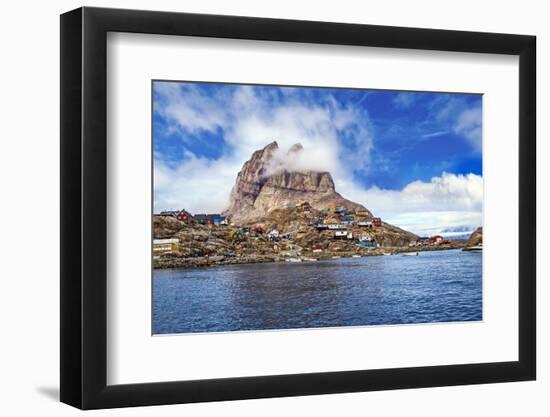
(277, 214)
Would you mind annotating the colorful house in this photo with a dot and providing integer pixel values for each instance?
(336, 226)
(368, 244)
(367, 241)
(163, 246)
(376, 221)
(208, 218)
(184, 216)
(422, 241)
(201, 218)
(436, 240)
(316, 248)
(365, 223)
(273, 235)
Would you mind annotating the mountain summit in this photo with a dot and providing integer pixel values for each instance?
(265, 184)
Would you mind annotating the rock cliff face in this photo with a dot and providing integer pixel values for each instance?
(476, 238)
(264, 184)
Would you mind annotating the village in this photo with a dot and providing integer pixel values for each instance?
(296, 232)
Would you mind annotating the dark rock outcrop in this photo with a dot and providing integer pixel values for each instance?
(476, 238)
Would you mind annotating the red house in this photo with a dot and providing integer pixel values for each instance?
(436, 240)
(184, 216)
(376, 221)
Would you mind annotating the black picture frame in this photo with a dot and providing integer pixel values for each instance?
(84, 207)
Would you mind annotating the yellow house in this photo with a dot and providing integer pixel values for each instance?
(161, 246)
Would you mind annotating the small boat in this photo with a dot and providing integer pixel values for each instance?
(309, 259)
(336, 257)
(410, 254)
(293, 260)
(356, 256)
(476, 248)
(387, 254)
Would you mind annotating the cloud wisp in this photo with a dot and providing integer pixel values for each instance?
(465, 118)
(404, 101)
(435, 134)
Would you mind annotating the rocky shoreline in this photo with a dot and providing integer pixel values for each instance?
(220, 260)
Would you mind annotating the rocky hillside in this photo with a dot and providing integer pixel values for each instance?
(207, 245)
(262, 186)
(476, 238)
(298, 224)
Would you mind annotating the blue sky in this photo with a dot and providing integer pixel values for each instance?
(414, 158)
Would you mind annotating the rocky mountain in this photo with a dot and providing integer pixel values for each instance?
(265, 184)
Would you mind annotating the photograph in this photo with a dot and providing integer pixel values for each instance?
(293, 207)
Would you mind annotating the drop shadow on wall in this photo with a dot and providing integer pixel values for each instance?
(50, 392)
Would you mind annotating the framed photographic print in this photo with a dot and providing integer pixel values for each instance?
(257, 208)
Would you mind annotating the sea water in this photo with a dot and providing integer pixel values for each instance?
(438, 286)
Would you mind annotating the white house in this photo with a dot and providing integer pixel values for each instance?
(165, 246)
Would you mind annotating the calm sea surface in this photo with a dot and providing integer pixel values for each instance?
(441, 286)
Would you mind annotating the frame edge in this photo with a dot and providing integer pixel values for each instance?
(527, 272)
(70, 208)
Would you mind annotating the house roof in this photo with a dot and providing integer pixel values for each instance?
(203, 216)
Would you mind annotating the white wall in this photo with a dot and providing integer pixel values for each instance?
(29, 173)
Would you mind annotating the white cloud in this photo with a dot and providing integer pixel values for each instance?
(249, 122)
(404, 100)
(465, 120)
(198, 185)
(468, 124)
(189, 109)
(426, 207)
